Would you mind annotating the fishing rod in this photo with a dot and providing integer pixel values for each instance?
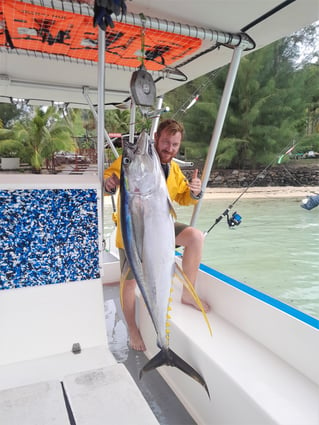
(193, 98)
(235, 219)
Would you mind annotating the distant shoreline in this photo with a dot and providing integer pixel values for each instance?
(269, 192)
(261, 192)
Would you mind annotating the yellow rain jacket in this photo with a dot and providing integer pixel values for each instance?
(176, 184)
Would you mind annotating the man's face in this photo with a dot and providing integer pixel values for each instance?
(167, 145)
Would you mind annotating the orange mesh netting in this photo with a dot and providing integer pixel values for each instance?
(41, 29)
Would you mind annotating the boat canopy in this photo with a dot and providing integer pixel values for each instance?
(49, 48)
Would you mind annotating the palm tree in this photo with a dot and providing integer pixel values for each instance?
(118, 121)
(9, 147)
(43, 135)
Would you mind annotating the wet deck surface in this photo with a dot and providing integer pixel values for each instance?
(161, 399)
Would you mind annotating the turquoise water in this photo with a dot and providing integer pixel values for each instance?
(275, 249)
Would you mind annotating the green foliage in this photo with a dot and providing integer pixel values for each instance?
(309, 143)
(231, 151)
(118, 121)
(43, 134)
(9, 147)
(191, 150)
(275, 101)
(9, 113)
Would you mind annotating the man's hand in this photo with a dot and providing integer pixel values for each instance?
(195, 183)
(111, 183)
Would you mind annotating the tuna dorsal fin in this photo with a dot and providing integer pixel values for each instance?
(185, 281)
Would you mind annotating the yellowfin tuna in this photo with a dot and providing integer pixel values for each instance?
(147, 222)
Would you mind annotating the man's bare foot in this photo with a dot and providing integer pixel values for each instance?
(136, 341)
(189, 300)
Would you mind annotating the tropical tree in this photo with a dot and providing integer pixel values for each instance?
(311, 93)
(265, 109)
(8, 114)
(273, 104)
(9, 147)
(45, 133)
(90, 129)
(118, 121)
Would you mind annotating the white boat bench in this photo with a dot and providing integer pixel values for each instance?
(249, 383)
(107, 395)
(98, 396)
(36, 404)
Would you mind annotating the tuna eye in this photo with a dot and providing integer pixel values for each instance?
(126, 160)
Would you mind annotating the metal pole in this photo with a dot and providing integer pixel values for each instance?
(106, 135)
(156, 119)
(100, 123)
(231, 39)
(220, 119)
(132, 121)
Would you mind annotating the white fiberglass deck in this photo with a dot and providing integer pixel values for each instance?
(260, 364)
(91, 397)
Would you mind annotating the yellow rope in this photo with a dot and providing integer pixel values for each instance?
(186, 282)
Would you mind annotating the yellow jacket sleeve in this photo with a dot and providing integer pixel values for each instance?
(114, 168)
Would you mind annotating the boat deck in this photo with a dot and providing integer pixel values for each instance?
(162, 400)
(74, 389)
(91, 397)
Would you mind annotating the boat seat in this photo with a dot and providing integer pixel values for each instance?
(107, 395)
(248, 383)
(36, 404)
(104, 395)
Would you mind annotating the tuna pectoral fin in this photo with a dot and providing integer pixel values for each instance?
(167, 357)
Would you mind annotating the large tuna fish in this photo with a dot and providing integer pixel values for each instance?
(148, 235)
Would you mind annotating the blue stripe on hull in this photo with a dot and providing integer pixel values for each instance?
(292, 311)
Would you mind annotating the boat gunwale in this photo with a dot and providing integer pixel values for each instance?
(261, 296)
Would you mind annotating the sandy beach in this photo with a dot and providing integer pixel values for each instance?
(269, 192)
(261, 192)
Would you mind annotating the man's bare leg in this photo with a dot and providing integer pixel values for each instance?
(135, 339)
(192, 239)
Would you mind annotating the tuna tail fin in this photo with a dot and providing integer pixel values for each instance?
(169, 358)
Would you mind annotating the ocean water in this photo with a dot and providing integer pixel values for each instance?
(274, 249)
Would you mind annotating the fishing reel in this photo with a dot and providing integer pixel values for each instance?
(234, 220)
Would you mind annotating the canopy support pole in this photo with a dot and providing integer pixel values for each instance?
(220, 119)
(100, 121)
(106, 135)
(132, 121)
(155, 120)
